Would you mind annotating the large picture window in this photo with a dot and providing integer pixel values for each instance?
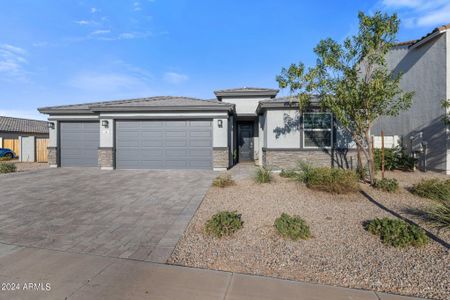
(317, 130)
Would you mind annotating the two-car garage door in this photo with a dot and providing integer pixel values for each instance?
(164, 144)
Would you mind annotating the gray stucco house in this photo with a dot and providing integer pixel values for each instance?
(425, 64)
(243, 124)
(249, 124)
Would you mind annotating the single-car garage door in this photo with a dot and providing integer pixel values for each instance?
(79, 144)
(164, 144)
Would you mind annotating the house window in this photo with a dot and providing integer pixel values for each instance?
(317, 130)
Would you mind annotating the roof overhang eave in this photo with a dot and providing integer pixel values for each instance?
(427, 39)
(163, 108)
(270, 94)
(50, 111)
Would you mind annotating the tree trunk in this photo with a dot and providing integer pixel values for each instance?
(359, 165)
(370, 159)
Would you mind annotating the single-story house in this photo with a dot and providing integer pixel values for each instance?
(243, 124)
(252, 124)
(27, 138)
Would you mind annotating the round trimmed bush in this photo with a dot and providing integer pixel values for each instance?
(223, 181)
(7, 168)
(331, 180)
(292, 227)
(386, 184)
(397, 233)
(224, 223)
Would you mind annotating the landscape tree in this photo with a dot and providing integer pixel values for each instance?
(352, 80)
(446, 106)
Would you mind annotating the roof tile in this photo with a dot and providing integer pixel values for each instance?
(9, 124)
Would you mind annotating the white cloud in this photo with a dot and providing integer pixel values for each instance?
(83, 22)
(12, 63)
(435, 17)
(111, 82)
(100, 32)
(139, 72)
(126, 36)
(86, 22)
(402, 3)
(23, 113)
(137, 6)
(421, 13)
(93, 10)
(175, 78)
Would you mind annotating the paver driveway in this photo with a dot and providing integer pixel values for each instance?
(127, 214)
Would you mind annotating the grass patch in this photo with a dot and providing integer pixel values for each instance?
(289, 173)
(7, 168)
(438, 216)
(397, 233)
(331, 180)
(224, 223)
(434, 189)
(223, 181)
(263, 175)
(292, 227)
(386, 184)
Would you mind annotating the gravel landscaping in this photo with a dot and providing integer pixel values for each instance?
(405, 203)
(339, 253)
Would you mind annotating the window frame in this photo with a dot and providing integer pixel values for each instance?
(317, 129)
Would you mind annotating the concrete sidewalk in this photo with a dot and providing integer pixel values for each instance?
(49, 274)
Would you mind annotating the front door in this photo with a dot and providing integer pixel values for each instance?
(245, 141)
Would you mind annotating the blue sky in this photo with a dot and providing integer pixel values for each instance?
(61, 52)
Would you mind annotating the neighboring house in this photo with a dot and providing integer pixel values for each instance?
(27, 138)
(248, 124)
(425, 64)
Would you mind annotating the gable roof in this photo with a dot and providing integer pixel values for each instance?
(425, 38)
(246, 91)
(149, 103)
(9, 124)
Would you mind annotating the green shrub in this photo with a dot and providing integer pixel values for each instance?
(433, 189)
(263, 175)
(439, 215)
(224, 223)
(223, 181)
(288, 173)
(332, 180)
(7, 168)
(386, 184)
(397, 233)
(394, 159)
(292, 227)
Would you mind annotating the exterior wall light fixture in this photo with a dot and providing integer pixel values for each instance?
(220, 123)
(105, 123)
(51, 125)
